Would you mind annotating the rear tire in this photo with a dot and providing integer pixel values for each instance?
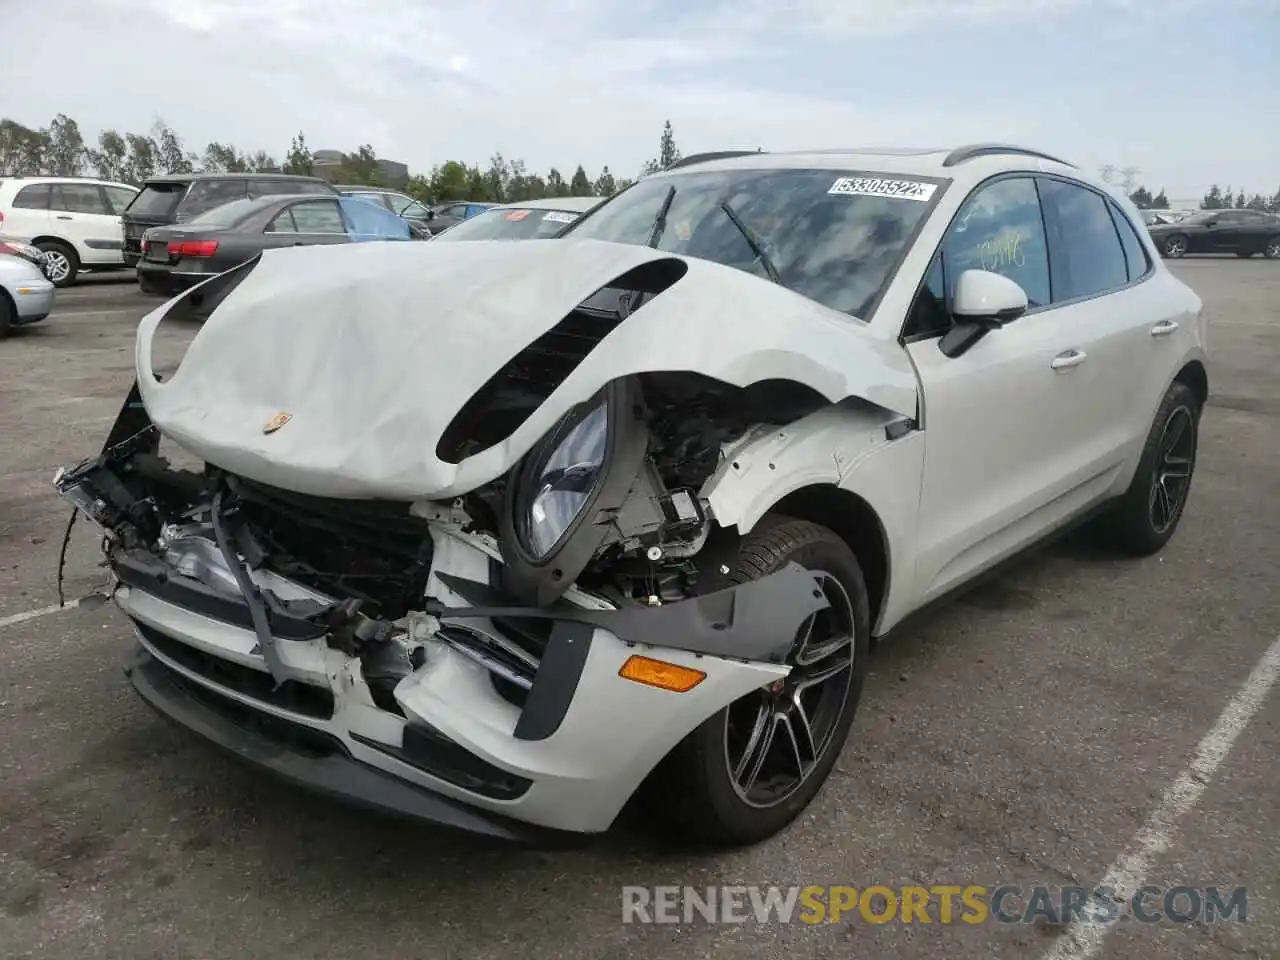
(62, 262)
(694, 789)
(1174, 247)
(1144, 519)
(6, 315)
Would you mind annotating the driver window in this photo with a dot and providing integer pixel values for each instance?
(1000, 229)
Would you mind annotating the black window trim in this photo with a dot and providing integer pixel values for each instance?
(1118, 214)
(1035, 176)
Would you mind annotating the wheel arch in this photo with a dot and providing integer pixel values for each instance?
(60, 241)
(853, 520)
(1194, 375)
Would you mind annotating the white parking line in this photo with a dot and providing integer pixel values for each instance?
(36, 614)
(1082, 939)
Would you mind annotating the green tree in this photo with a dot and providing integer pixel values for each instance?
(1213, 199)
(1274, 204)
(170, 157)
(109, 158)
(362, 167)
(141, 161)
(623, 184)
(1160, 201)
(1257, 202)
(23, 151)
(262, 162)
(223, 158)
(1141, 198)
(419, 187)
(299, 160)
(477, 185)
(605, 184)
(65, 155)
(556, 187)
(498, 178)
(668, 153)
(450, 181)
(579, 185)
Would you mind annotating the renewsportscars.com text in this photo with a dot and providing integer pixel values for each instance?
(941, 904)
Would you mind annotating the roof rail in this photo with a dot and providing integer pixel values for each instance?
(969, 152)
(714, 155)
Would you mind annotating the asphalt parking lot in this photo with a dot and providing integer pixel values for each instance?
(1024, 734)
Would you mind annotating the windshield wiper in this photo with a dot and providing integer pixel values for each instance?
(754, 241)
(660, 221)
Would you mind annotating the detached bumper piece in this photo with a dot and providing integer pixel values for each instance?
(310, 758)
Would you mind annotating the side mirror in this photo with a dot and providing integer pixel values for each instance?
(431, 214)
(983, 301)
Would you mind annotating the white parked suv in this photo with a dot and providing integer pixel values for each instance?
(74, 220)
(497, 534)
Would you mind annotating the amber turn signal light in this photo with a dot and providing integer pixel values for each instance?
(659, 673)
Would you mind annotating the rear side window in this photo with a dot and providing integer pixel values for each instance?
(207, 194)
(119, 198)
(157, 199)
(79, 198)
(1086, 256)
(318, 216)
(34, 197)
(1135, 254)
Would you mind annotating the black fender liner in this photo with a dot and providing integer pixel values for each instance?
(756, 620)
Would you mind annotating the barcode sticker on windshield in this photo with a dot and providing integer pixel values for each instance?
(557, 216)
(877, 187)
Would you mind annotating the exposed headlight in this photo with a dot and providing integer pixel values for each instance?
(562, 480)
(560, 496)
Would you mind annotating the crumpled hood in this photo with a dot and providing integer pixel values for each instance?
(372, 348)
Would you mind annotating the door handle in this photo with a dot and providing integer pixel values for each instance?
(1068, 359)
(63, 216)
(1164, 328)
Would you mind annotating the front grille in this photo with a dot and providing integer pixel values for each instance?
(292, 695)
(374, 551)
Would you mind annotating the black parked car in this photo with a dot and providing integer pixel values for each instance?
(179, 256)
(447, 215)
(1242, 232)
(179, 198)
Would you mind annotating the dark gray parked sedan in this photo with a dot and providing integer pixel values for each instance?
(180, 256)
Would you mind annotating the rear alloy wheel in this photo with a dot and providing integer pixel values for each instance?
(6, 315)
(61, 262)
(1146, 516)
(752, 767)
(1272, 249)
(1175, 247)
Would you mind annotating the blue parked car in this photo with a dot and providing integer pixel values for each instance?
(181, 255)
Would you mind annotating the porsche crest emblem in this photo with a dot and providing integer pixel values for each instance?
(276, 422)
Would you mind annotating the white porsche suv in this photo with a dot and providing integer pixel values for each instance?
(497, 535)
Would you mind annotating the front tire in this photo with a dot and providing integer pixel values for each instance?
(1174, 247)
(61, 262)
(1272, 250)
(6, 315)
(1146, 516)
(750, 769)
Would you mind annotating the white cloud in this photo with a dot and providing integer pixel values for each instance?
(556, 83)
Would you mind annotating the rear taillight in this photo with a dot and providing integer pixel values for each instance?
(193, 248)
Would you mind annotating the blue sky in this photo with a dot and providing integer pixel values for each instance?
(1186, 91)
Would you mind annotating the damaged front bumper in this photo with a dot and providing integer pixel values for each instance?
(448, 712)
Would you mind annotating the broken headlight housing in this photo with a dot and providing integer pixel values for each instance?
(563, 493)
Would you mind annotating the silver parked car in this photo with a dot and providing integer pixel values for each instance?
(26, 294)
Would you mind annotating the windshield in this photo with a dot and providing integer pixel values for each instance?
(229, 214)
(511, 223)
(829, 235)
(157, 199)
